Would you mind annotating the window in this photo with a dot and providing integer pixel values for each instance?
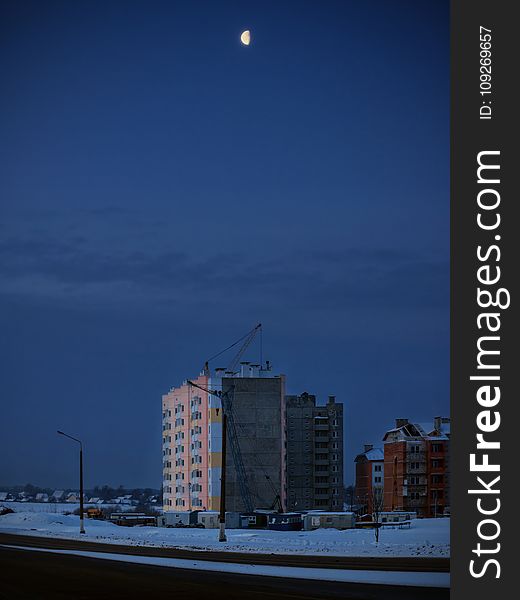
(377, 468)
(377, 479)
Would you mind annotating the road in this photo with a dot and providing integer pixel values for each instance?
(37, 575)
(379, 563)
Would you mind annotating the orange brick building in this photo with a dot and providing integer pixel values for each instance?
(416, 467)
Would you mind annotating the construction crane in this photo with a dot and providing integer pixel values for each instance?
(247, 339)
(229, 431)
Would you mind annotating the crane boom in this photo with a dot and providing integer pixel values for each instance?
(249, 338)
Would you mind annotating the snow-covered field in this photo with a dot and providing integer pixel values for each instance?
(426, 537)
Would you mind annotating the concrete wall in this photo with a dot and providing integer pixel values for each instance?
(258, 409)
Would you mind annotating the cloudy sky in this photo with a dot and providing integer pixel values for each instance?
(164, 188)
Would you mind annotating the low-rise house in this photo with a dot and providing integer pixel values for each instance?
(42, 497)
(57, 496)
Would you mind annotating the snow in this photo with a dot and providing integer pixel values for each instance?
(425, 537)
(344, 575)
(375, 454)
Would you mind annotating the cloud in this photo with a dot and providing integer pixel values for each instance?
(68, 268)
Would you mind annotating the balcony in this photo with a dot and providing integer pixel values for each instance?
(322, 495)
(321, 426)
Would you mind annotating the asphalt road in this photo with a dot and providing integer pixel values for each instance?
(379, 563)
(35, 575)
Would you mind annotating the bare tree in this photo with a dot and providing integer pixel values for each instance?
(377, 508)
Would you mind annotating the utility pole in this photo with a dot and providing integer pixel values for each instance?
(81, 527)
(222, 516)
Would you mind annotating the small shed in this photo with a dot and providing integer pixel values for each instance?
(330, 520)
(396, 516)
(253, 520)
(210, 519)
(285, 521)
(177, 519)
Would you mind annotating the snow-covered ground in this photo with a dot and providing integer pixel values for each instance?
(426, 537)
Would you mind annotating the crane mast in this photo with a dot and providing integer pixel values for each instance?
(229, 430)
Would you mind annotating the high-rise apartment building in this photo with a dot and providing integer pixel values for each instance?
(192, 440)
(416, 469)
(186, 426)
(314, 453)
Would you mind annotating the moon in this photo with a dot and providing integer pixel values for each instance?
(245, 37)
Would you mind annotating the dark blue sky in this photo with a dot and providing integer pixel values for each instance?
(163, 188)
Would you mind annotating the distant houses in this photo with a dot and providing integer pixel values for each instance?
(73, 497)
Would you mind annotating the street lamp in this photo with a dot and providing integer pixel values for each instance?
(81, 528)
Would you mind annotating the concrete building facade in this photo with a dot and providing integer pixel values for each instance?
(416, 468)
(314, 453)
(259, 412)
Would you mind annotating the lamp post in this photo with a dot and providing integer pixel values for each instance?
(81, 528)
(222, 514)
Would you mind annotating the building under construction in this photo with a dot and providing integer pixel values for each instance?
(264, 469)
(192, 441)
